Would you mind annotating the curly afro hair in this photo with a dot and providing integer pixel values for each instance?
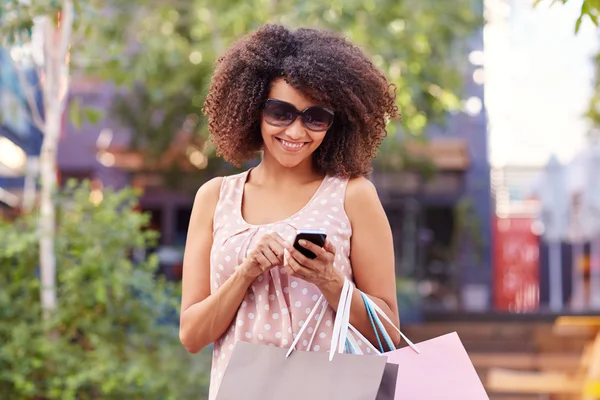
(321, 65)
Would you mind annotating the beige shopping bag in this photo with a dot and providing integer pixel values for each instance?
(259, 372)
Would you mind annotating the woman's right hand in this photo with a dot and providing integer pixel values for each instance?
(267, 254)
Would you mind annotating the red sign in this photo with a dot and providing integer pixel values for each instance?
(516, 265)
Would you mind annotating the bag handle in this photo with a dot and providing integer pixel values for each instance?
(373, 316)
(354, 331)
(304, 327)
(375, 312)
(343, 331)
(317, 325)
(340, 327)
(342, 320)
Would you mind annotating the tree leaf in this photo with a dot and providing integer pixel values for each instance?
(578, 24)
(92, 115)
(75, 113)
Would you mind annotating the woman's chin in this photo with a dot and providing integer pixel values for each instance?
(288, 162)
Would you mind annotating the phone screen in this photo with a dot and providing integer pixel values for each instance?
(315, 236)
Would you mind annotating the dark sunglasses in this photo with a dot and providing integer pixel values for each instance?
(280, 113)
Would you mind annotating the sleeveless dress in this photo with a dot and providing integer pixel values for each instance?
(276, 305)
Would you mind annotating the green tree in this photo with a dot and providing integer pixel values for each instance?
(116, 323)
(593, 112)
(168, 49)
(589, 9)
(176, 43)
(49, 58)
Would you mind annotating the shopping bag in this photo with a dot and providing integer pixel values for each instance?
(439, 368)
(442, 370)
(387, 388)
(259, 372)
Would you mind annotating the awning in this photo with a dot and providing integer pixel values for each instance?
(11, 199)
(450, 154)
(12, 158)
(184, 153)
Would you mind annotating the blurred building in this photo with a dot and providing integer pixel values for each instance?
(539, 78)
(99, 152)
(430, 219)
(442, 226)
(433, 248)
(20, 141)
(516, 254)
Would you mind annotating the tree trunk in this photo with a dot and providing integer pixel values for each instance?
(30, 185)
(55, 87)
(47, 210)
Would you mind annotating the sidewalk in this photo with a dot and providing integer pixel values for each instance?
(517, 345)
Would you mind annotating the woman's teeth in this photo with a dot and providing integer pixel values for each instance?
(291, 145)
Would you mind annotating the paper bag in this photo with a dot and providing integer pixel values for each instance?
(439, 368)
(258, 372)
(442, 370)
(387, 388)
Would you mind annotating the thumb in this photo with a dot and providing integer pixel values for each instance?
(329, 247)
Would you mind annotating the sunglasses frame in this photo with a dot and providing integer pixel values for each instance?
(298, 113)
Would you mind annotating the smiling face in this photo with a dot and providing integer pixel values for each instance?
(291, 145)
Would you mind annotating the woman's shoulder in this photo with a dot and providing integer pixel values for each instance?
(207, 197)
(210, 192)
(212, 187)
(361, 194)
(361, 189)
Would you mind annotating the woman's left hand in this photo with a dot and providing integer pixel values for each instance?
(318, 271)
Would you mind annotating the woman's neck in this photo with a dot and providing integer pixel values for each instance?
(271, 172)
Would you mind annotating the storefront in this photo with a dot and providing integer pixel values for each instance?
(20, 141)
(440, 234)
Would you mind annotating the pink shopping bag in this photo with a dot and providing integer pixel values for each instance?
(439, 368)
(442, 370)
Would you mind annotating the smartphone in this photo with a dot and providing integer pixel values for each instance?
(316, 236)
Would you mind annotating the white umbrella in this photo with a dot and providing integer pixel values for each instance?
(576, 233)
(553, 195)
(590, 206)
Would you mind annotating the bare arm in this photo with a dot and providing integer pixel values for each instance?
(205, 316)
(372, 258)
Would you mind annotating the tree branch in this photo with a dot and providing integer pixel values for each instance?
(78, 35)
(216, 37)
(36, 117)
(66, 30)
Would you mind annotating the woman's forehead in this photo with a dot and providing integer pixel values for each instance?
(281, 90)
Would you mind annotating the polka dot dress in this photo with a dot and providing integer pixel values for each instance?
(276, 304)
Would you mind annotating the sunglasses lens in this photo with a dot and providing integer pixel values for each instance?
(318, 119)
(279, 114)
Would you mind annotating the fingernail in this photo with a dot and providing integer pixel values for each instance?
(302, 242)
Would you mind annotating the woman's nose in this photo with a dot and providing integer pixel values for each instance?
(296, 130)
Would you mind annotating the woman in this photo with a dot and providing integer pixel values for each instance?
(317, 108)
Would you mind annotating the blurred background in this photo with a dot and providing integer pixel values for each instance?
(490, 182)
